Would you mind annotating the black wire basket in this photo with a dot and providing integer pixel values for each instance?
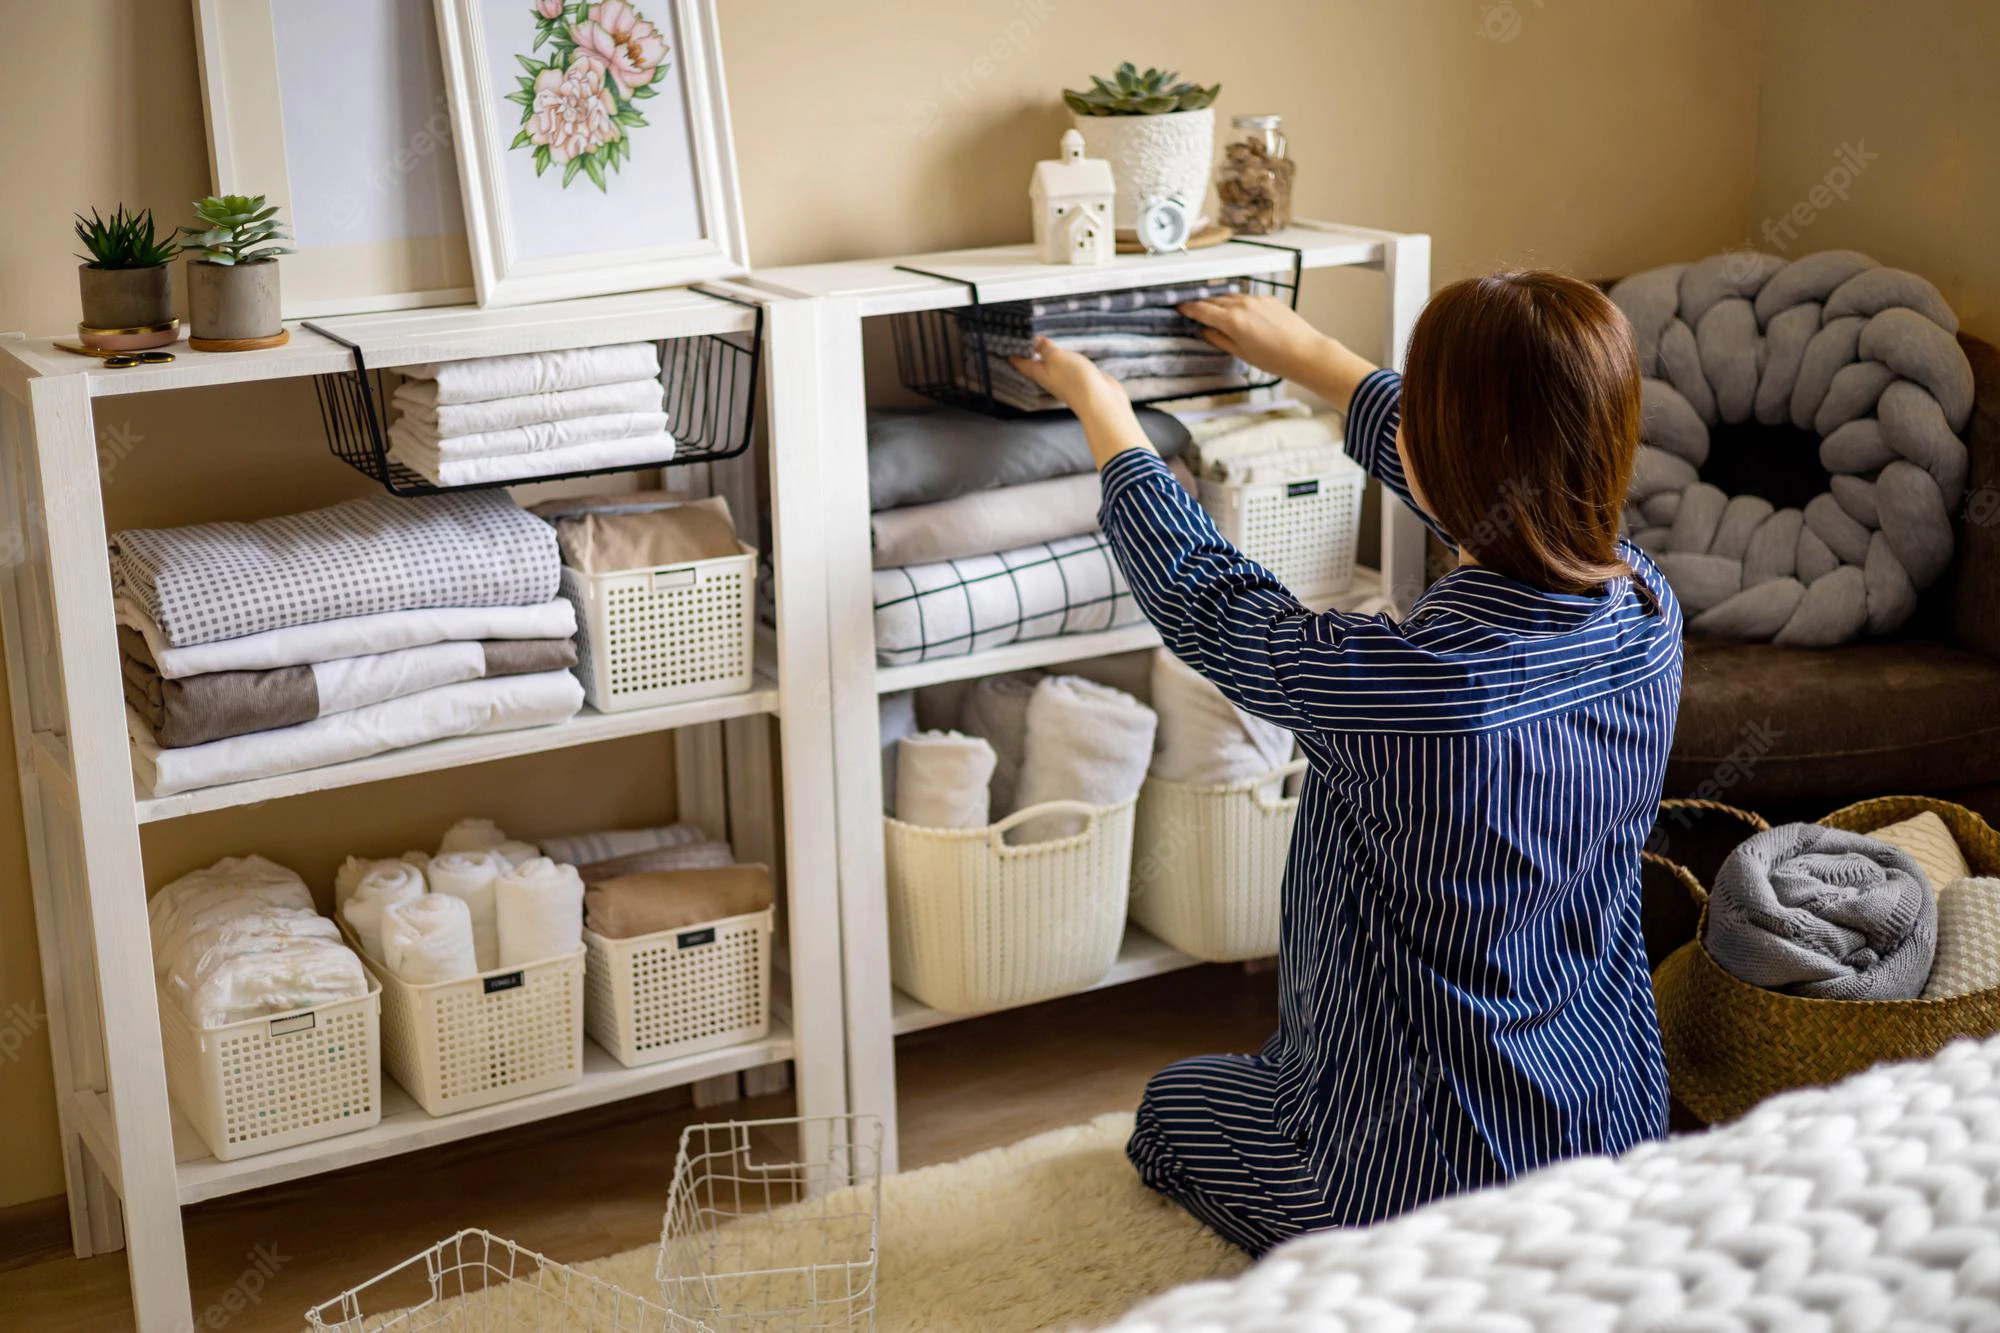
(950, 355)
(711, 407)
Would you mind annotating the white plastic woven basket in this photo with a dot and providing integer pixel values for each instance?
(665, 635)
(1304, 531)
(1208, 864)
(269, 1083)
(455, 1045)
(772, 1225)
(679, 992)
(976, 924)
(476, 1282)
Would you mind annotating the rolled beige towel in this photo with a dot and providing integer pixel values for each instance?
(943, 780)
(1930, 845)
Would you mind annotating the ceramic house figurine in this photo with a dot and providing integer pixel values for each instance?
(1071, 197)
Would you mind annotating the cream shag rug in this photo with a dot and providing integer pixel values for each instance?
(1053, 1233)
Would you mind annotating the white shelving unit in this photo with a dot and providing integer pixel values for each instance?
(841, 298)
(128, 1167)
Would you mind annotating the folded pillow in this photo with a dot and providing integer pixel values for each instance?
(1968, 939)
(1930, 845)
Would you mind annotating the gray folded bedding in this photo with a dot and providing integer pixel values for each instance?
(919, 456)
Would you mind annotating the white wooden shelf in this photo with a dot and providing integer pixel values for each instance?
(406, 1127)
(586, 728)
(1140, 955)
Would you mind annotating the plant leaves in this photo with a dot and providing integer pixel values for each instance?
(522, 140)
(595, 171)
(570, 169)
(542, 158)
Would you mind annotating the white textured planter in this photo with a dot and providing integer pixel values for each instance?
(1152, 156)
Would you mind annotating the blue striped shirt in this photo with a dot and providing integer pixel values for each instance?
(1464, 990)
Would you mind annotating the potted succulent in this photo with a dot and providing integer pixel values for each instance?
(1158, 135)
(233, 269)
(127, 289)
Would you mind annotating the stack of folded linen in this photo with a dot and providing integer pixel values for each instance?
(541, 414)
(1137, 337)
(646, 880)
(985, 531)
(1248, 444)
(253, 649)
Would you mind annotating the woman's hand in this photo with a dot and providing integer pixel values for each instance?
(1099, 401)
(1276, 339)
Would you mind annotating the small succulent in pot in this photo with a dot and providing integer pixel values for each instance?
(232, 268)
(127, 288)
(1131, 93)
(1158, 135)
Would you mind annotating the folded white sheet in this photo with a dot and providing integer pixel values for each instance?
(1204, 739)
(257, 983)
(535, 437)
(540, 908)
(429, 939)
(1086, 742)
(354, 636)
(502, 703)
(629, 451)
(470, 876)
(414, 403)
(582, 849)
(534, 372)
(384, 884)
(942, 780)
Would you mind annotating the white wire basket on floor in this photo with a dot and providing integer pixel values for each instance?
(772, 1225)
(476, 1282)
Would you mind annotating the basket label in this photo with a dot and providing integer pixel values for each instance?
(506, 981)
(665, 579)
(1293, 490)
(285, 1027)
(694, 939)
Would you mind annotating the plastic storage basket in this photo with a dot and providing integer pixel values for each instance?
(269, 1083)
(1209, 864)
(455, 1045)
(665, 635)
(1305, 530)
(476, 1282)
(772, 1225)
(679, 992)
(976, 924)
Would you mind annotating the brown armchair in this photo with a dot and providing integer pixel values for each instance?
(1794, 732)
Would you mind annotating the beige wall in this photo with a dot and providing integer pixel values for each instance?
(1596, 137)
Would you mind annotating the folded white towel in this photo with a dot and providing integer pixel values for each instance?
(458, 420)
(996, 709)
(487, 377)
(534, 438)
(383, 883)
(1259, 435)
(1968, 938)
(942, 780)
(442, 470)
(1203, 738)
(255, 984)
(232, 886)
(1086, 742)
(429, 939)
(540, 909)
(582, 849)
(354, 636)
(472, 835)
(470, 876)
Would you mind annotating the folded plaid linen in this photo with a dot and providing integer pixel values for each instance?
(953, 608)
(1009, 328)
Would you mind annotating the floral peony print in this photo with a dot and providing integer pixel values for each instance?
(578, 100)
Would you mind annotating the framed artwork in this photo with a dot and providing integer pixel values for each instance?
(593, 145)
(336, 110)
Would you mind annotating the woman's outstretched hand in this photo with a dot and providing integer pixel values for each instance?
(1276, 339)
(1099, 401)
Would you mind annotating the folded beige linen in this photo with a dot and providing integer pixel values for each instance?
(602, 534)
(646, 903)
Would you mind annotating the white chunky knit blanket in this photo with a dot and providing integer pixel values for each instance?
(1874, 1204)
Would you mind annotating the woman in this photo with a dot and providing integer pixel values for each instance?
(1463, 983)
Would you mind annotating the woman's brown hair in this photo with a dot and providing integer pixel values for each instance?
(1521, 421)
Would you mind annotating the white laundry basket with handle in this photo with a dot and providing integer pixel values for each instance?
(1209, 864)
(679, 992)
(976, 924)
(665, 635)
(1305, 530)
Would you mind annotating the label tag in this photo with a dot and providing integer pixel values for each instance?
(1293, 490)
(664, 579)
(505, 981)
(285, 1027)
(694, 939)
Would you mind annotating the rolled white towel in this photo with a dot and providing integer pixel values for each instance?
(383, 883)
(539, 904)
(470, 877)
(472, 835)
(942, 780)
(1086, 742)
(1205, 740)
(514, 851)
(429, 939)
(421, 860)
(344, 879)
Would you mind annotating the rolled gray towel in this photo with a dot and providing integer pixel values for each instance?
(1824, 913)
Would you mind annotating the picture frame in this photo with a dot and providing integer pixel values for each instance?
(336, 111)
(593, 146)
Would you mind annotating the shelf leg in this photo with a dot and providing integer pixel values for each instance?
(1406, 267)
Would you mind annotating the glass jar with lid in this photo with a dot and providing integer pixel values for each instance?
(1254, 182)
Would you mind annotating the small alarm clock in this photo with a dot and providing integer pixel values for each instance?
(1163, 224)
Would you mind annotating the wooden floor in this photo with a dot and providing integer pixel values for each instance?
(592, 1184)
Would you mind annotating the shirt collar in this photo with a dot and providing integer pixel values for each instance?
(1486, 597)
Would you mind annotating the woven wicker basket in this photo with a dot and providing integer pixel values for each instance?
(1691, 838)
(1730, 1045)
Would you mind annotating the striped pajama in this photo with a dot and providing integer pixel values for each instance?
(1463, 992)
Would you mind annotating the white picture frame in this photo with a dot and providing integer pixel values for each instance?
(562, 232)
(336, 111)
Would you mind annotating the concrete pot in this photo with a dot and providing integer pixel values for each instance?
(1153, 156)
(126, 298)
(233, 300)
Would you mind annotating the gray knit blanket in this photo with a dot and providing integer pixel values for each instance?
(1824, 913)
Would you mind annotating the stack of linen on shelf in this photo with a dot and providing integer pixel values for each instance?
(1137, 337)
(254, 649)
(985, 531)
(648, 880)
(541, 414)
(1246, 444)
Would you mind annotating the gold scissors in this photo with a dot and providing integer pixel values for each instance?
(119, 360)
